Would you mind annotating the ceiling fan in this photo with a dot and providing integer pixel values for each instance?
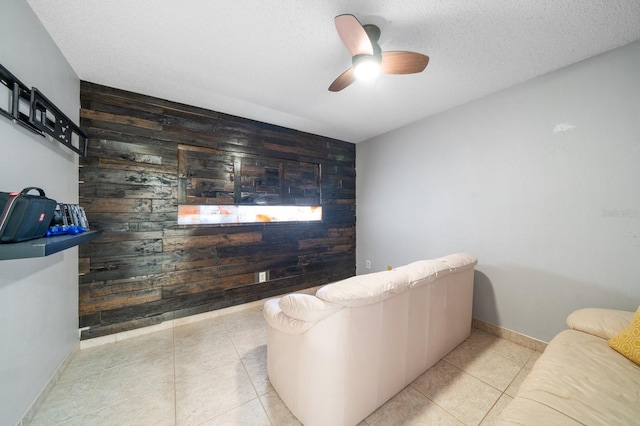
(368, 59)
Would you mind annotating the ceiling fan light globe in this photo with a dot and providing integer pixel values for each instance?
(367, 68)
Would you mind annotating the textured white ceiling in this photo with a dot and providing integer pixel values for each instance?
(273, 60)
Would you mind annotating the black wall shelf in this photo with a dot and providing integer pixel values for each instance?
(44, 246)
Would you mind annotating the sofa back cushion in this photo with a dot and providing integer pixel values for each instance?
(604, 323)
(458, 262)
(365, 289)
(423, 271)
(426, 271)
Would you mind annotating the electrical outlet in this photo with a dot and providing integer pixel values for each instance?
(262, 276)
(367, 264)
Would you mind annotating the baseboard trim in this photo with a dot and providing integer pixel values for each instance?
(28, 416)
(496, 330)
(116, 337)
(512, 336)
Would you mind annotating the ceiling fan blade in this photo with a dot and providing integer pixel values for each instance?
(343, 80)
(399, 62)
(353, 36)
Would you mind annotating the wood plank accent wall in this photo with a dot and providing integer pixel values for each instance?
(144, 268)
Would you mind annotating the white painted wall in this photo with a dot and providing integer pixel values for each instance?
(552, 215)
(38, 297)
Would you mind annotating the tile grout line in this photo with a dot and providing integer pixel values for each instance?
(477, 378)
(250, 381)
(490, 409)
(504, 392)
(434, 402)
(175, 391)
(265, 411)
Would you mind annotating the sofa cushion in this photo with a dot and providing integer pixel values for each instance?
(604, 323)
(523, 411)
(306, 307)
(365, 289)
(627, 342)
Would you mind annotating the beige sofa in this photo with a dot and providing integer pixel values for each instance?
(337, 356)
(579, 379)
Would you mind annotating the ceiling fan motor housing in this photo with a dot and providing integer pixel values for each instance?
(373, 32)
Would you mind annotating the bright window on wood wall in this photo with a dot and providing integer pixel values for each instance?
(222, 187)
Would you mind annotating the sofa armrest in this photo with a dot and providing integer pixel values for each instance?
(604, 323)
(297, 313)
(281, 321)
(306, 307)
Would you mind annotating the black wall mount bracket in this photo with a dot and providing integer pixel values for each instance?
(31, 108)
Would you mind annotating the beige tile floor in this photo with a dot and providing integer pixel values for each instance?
(213, 372)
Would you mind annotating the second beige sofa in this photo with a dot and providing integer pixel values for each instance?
(580, 379)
